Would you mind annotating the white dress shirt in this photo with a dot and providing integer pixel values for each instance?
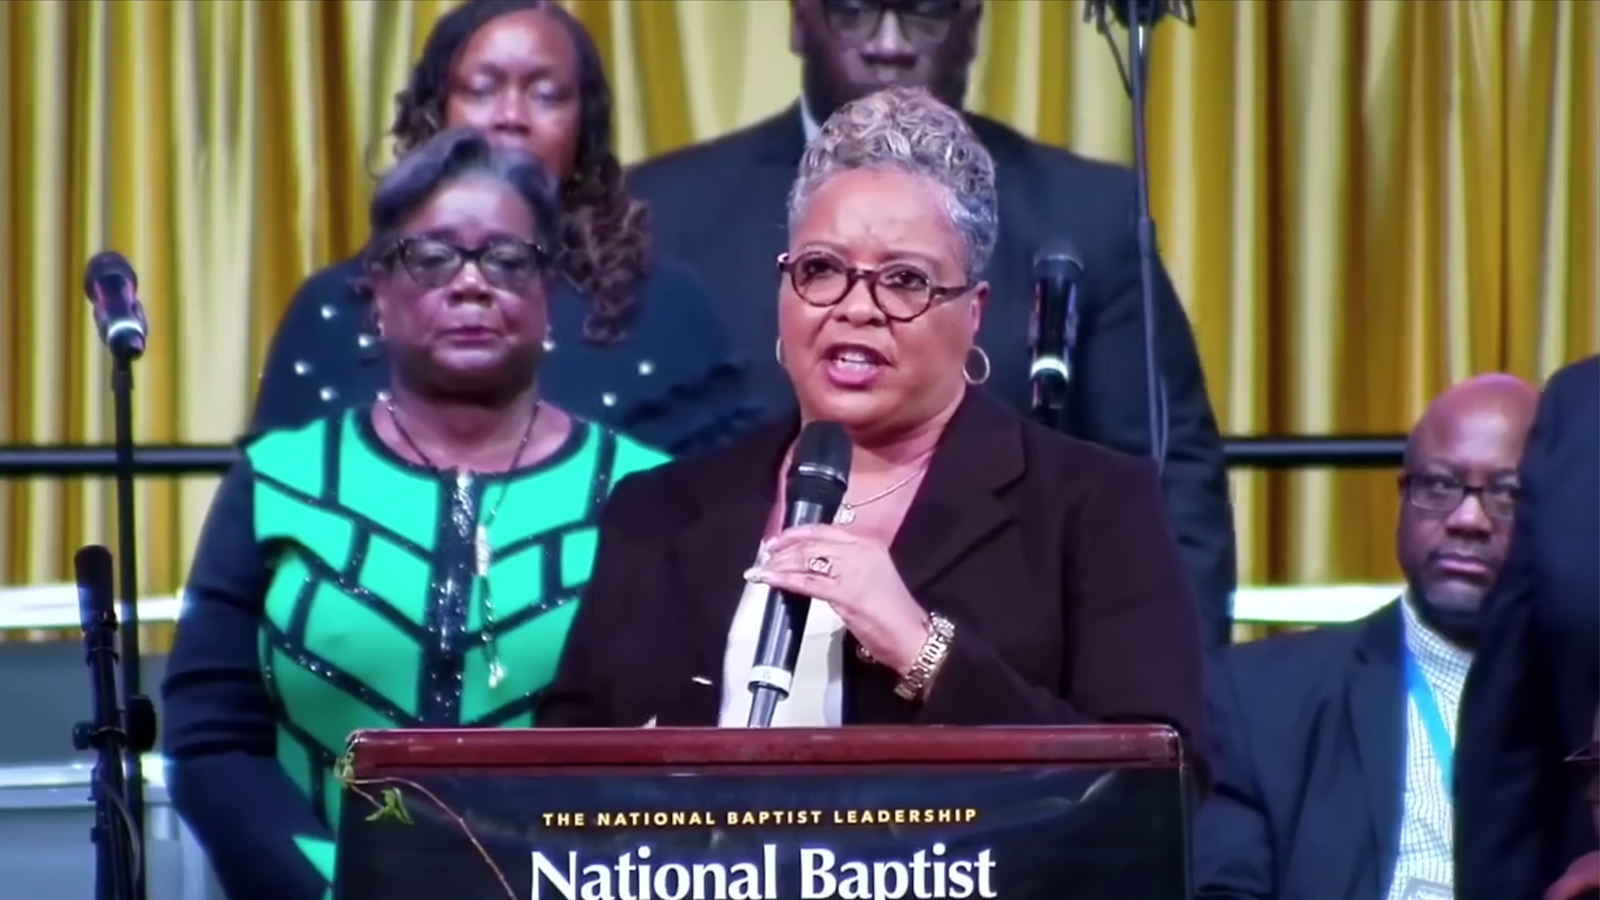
(1424, 868)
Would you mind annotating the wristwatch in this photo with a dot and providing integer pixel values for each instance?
(941, 631)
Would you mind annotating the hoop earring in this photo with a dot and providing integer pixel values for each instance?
(987, 370)
(777, 350)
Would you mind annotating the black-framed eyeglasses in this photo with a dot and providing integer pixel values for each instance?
(922, 22)
(901, 291)
(1442, 494)
(506, 264)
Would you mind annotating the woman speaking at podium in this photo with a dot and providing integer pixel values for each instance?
(982, 570)
(410, 563)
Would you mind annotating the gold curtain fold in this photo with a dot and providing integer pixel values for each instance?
(1361, 201)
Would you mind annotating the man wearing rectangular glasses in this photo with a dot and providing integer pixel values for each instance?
(1335, 746)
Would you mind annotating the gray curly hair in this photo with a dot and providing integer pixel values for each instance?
(907, 130)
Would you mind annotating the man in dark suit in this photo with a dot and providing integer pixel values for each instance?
(1334, 746)
(1522, 820)
(720, 206)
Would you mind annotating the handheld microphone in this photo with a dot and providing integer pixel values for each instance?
(814, 489)
(113, 291)
(1054, 331)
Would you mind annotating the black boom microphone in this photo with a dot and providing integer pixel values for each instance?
(1054, 332)
(1139, 17)
(115, 834)
(813, 492)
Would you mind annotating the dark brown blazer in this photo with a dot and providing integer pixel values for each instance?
(1052, 556)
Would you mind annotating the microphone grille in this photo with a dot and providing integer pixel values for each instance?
(1057, 259)
(107, 262)
(92, 566)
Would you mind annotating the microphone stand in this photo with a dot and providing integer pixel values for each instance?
(1140, 17)
(1155, 391)
(139, 709)
(117, 857)
(137, 736)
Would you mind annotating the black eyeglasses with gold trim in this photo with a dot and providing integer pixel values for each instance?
(1443, 493)
(924, 23)
(901, 291)
(509, 265)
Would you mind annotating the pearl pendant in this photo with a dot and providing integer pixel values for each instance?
(845, 515)
(481, 554)
(497, 673)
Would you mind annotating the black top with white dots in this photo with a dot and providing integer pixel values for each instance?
(674, 381)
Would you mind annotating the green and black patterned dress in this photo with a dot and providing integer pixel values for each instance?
(337, 587)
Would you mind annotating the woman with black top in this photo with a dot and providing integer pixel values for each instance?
(412, 561)
(633, 345)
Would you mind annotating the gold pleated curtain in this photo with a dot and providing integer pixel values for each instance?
(1361, 201)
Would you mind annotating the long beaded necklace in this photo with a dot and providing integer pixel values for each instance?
(482, 555)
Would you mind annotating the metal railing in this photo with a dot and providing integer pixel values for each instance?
(176, 460)
(54, 607)
(1270, 605)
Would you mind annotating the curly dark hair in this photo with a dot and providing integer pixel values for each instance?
(605, 239)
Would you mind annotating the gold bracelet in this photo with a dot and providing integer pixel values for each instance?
(941, 631)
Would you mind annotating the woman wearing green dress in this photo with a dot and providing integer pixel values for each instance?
(415, 562)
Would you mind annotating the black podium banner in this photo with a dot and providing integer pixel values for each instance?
(1019, 832)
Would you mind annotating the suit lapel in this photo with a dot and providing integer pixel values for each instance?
(1377, 715)
(956, 507)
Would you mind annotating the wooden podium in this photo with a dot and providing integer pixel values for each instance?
(906, 813)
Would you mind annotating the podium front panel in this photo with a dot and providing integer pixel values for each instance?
(1036, 830)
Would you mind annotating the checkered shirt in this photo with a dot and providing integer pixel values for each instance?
(1427, 817)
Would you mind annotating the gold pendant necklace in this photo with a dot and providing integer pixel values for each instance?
(847, 511)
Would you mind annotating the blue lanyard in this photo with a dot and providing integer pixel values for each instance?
(1444, 750)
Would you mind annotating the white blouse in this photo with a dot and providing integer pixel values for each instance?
(815, 699)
